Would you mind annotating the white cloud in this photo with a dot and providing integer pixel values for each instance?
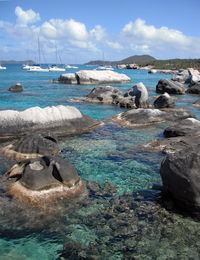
(114, 45)
(98, 33)
(26, 17)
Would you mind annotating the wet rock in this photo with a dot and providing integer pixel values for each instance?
(197, 103)
(45, 179)
(62, 120)
(170, 86)
(194, 89)
(164, 101)
(32, 145)
(180, 177)
(189, 126)
(144, 117)
(16, 88)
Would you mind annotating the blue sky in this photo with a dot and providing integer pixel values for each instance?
(84, 30)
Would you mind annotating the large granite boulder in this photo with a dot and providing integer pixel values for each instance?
(194, 88)
(16, 88)
(62, 120)
(94, 77)
(144, 117)
(139, 91)
(170, 86)
(45, 179)
(189, 126)
(181, 177)
(164, 101)
(32, 145)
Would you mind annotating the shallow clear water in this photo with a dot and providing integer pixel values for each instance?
(109, 152)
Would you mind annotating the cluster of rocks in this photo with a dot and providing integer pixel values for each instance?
(128, 66)
(167, 72)
(93, 77)
(135, 97)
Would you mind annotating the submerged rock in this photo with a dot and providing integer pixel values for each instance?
(94, 77)
(144, 117)
(45, 179)
(62, 120)
(164, 101)
(180, 177)
(32, 145)
(170, 86)
(16, 88)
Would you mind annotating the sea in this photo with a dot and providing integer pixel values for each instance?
(129, 223)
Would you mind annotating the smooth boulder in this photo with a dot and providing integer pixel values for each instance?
(62, 120)
(16, 88)
(194, 89)
(32, 145)
(170, 86)
(45, 179)
(164, 101)
(181, 177)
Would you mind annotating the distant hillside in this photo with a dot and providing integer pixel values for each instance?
(17, 62)
(129, 60)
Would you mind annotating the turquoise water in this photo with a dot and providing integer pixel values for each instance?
(109, 152)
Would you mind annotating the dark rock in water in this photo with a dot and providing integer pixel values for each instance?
(164, 101)
(68, 78)
(136, 97)
(189, 126)
(139, 91)
(170, 86)
(194, 89)
(197, 103)
(45, 179)
(181, 177)
(62, 120)
(144, 117)
(32, 145)
(16, 88)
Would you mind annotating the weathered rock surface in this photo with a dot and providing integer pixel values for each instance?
(139, 91)
(136, 97)
(32, 145)
(16, 88)
(194, 89)
(181, 178)
(189, 126)
(164, 101)
(144, 117)
(197, 103)
(170, 86)
(47, 178)
(62, 120)
(94, 77)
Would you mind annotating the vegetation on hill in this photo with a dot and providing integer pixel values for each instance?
(173, 64)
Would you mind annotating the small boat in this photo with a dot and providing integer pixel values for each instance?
(56, 68)
(105, 68)
(67, 66)
(2, 67)
(37, 69)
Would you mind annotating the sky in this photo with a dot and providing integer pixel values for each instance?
(85, 30)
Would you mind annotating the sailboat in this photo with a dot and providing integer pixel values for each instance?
(37, 68)
(2, 67)
(54, 68)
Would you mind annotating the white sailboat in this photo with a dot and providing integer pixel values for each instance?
(38, 68)
(2, 67)
(55, 68)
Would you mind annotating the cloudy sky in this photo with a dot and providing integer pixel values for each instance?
(85, 30)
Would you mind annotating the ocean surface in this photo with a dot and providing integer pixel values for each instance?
(109, 153)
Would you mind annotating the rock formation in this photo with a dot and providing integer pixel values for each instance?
(170, 86)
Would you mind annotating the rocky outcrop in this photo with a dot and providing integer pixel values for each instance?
(197, 103)
(94, 77)
(144, 117)
(16, 88)
(164, 101)
(189, 126)
(136, 97)
(62, 120)
(139, 91)
(32, 145)
(45, 179)
(194, 89)
(170, 86)
(180, 177)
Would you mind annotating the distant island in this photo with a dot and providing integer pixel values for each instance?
(129, 60)
(17, 62)
(147, 60)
